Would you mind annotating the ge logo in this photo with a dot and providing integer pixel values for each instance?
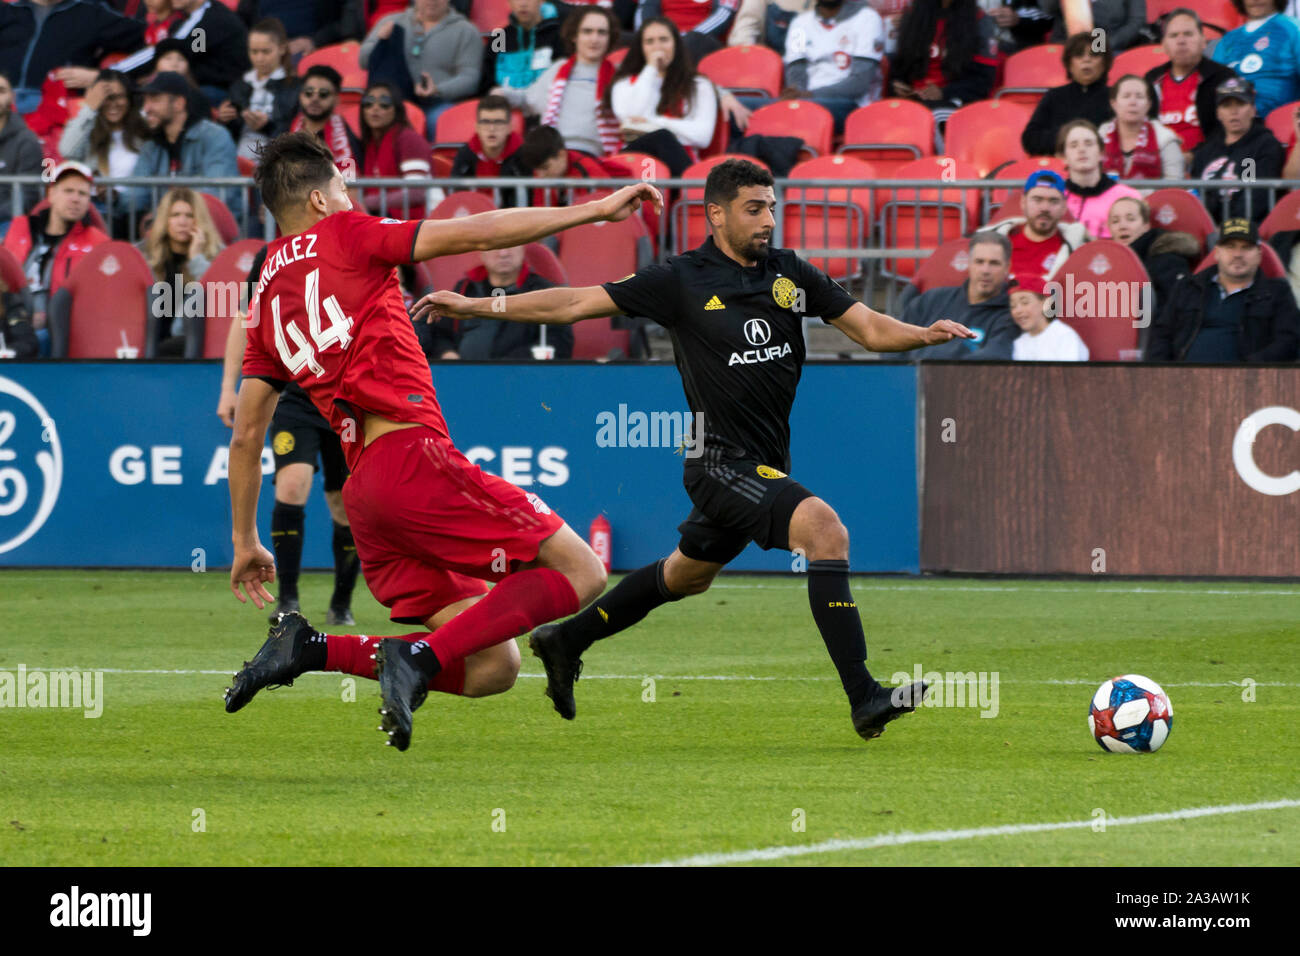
(757, 332)
(27, 434)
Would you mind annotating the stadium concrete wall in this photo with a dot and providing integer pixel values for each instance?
(124, 463)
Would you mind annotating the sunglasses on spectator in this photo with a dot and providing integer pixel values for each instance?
(384, 101)
(317, 94)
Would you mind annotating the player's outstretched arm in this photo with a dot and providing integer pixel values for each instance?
(560, 306)
(253, 566)
(877, 332)
(503, 228)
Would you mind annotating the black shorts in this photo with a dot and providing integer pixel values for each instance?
(297, 437)
(737, 501)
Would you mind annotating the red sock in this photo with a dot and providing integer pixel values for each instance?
(515, 606)
(352, 654)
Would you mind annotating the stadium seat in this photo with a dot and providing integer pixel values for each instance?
(721, 136)
(1180, 210)
(1270, 263)
(802, 118)
(1103, 279)
(545, 263)
(489, 15)
(1220, 15)
(889, 133)
(947, 267)
(230, 266)
(246, 166)
(11, 272)
(925, 218)
(102, 311)
(1284, 217)
(1281, 121)
(222, 218)
(829, 218)
(690, 226)
(745, 70)
(600, 252)
(987, 134)
(446, 271)
(651, 169)
(1031, 73)
(1005, 203)
(344, 57)
(618, 56)
(1138, 60)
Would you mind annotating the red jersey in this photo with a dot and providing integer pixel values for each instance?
(1033, 258)
(328, 314)
(1177, 100)
(934, 73)
(689, 14)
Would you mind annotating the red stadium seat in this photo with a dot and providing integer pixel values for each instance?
(600, 252)
(245, 165)
(344, 57)
(1031, 73)
(545, 263)
(11, 272)
(446, 271)
(222, 218)
(102, 311)
(947, 267)
(987, 134)
(230, 266)
(752, 70)
(1270, 263)
(489, 15)
(803, 118)
(690, 225)
(1138, 61)
(829, 218)
(1005, 203)
(1219, 14)
(889, 133)
(924, 219)
(1284, 217)
(618, 56)
(1180, 210)
(1281, 121)
(652, 170)
(1100, 296)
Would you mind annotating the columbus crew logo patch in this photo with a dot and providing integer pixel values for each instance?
(282, 443)
(783, 292)
(765, 472)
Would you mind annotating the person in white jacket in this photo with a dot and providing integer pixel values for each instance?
(657, 93)
(1133, 144)
(1042, 338)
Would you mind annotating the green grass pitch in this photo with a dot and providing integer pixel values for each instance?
(746, 744)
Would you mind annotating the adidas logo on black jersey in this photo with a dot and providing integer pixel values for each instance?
(713, 305)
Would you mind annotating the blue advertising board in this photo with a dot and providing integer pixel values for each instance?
(119, 464)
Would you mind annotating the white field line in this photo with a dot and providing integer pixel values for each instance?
(949, 836)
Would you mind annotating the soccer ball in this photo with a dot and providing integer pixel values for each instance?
(1130, 715)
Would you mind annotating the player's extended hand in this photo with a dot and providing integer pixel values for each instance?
(946, 330)
(620, 205)
(441, 303)
(254, 569)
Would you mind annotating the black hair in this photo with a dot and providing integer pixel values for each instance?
(1081, 43)
(327, 73)
(1240, 6)
(491, 104)
(727, 179)
(541, 143)
(916, 35)
(290, 167)
(399, 108)
(678, 90)
(1178, 12)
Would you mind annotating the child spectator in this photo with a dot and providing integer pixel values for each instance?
(262, 103)
(1042, 338)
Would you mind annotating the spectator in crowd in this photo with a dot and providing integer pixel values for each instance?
(181, 143)
(1229, 312)
(430, 53)
(980, 303)
(570, 94)
(1264, 50)
(1042, 338)
(664, 108)
(223, 57)
(38, 36)
(1135, 146)
(543, 155)
(703, 24)
(309, 24)
(17, 337)
(1185, 85)
(390, 149)
(947, 55)
(530, 42)
(1040, 240)
(50, 242)
(1084, 97)
(1167, 254)
(1242, 149)
(172, 55)
(160, 18)
(181, 243)
(766, 22)
(1089, 192)
(1019, 27)
(493, 142)
(20, 153)
(832, 57)
(108, 131)
(317, 98)
(480, 339)
(262, 103)
(1122, 21)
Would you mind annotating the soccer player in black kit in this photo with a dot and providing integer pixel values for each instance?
(734, 308)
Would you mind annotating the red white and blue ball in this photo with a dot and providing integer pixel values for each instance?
(1130, 715)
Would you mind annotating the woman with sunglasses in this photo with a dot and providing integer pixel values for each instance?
(390, 149)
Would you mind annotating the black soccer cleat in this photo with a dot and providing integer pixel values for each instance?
(403, 687)
(888, 703)
(561, 669)
(284, 607)
(276, 664)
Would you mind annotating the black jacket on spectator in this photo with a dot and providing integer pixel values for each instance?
(1270, 324)
(1058, 106)
(1212, 74)
(75, 33)
(284, 105)
(226, 58)
(16, 326)
(991, 318)
(21, 154)
(478, 339)
(335, 20)
(1168, 256)
(1215, 159)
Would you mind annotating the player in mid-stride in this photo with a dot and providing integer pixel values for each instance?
(430, 527)
(734, 307)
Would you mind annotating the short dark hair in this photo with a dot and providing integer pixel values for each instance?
(290, 167)
(491, 104)
(1081, 43)
(569, 29)
(327, 73)
(989, 237)
(727, 179)
(1178, 12)
(1241, 6)
(541, 143)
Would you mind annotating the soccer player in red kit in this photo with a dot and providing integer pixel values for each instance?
(430, 527)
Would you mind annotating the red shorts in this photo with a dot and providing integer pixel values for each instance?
(431, 527)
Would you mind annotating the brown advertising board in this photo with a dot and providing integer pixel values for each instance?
(1040, 468)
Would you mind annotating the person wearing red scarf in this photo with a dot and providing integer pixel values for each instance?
(391, 149)
(493, 141)
(1135, 146)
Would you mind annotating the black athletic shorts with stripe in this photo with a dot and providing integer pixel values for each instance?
(737, 500)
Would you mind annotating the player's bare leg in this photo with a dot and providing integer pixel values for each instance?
(292, 487)
(816, 532)
(346, 564)
(561, 646)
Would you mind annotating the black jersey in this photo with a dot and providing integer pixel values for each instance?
(294, 408)
(738, 339)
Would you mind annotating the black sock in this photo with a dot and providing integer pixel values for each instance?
(836, 614)
(286, 539)
(423, 657)
(635, 596)
(314, 654)
(345, 567)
